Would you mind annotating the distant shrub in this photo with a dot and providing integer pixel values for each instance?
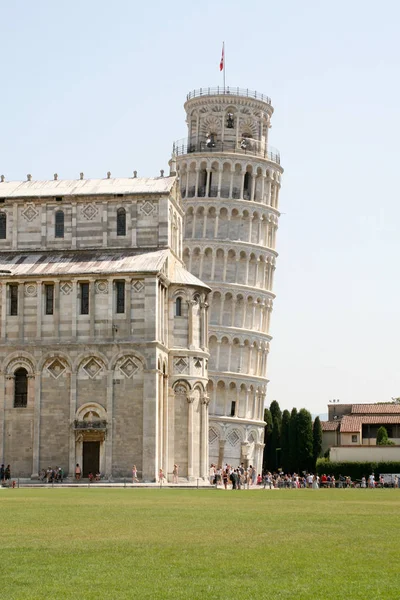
(356, 470)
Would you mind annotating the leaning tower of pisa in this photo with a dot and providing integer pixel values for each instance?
(230, 179)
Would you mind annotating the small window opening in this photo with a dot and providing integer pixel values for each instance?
(230, 121)
(3, 226)
(121, 221)
(120, 293)
(21, 388)
(233, 407)
(178, 307)
(14, 299)
(59, 229)
(84, 298)
(49, 299)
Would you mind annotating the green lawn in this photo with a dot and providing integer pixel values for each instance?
(138, 543)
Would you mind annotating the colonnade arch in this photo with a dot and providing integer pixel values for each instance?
(231, 265)
(230, 398)
(251, 226)
(237, 179)
(238, 354)
(245, 311)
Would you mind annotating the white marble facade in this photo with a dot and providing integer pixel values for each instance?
(230, 179)
(103, 333)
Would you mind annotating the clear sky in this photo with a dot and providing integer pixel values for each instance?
(95, 86)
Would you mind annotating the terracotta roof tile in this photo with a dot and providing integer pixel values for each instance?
(350, 424)
(375, 409)
(330, 425)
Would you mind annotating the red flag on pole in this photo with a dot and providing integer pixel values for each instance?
(221, 64)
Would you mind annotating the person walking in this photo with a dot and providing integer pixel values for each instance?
(78, 472)
(134, 475)
(7, 473)
(175, 473)
(161, 476)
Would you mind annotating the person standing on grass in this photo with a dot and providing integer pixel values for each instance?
(371, 481)
(134, 475)
(396, 481)
(7, 473)
(175, 473)
(78, 472)
(2, 471)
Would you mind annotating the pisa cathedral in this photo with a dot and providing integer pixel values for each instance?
(134, 313)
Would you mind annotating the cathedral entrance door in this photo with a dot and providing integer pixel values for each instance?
(91, 458)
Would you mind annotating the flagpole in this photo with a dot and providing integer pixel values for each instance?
(223, 47)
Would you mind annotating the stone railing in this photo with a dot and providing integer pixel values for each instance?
(228, 91)
(242, 146)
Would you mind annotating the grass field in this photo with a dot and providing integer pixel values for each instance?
(131, 543)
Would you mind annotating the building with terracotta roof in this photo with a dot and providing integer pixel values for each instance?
(351, 431)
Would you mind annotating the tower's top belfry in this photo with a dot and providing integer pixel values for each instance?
(229, 120)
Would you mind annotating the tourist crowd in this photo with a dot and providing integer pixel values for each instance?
(244, 478)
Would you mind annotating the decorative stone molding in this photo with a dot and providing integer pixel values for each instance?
(56, 368)
(89, 211)
(30, 212)
(30, 290)
(180, 390)
(101, 286)
(181, 365)
(128, 366)
(92, 367)
(66, 288)
(148, 208)
(137, 285)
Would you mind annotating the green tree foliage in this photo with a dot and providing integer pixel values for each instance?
(275, 446)
(305, 440)
(276, 411)
(317, 439)
(267, 440)
(382, 438)
(285, 441)
(293, 449)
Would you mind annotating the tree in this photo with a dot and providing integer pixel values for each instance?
(317, 440)
(305, 440)
(267, 440)
(382, 438)
(285, 441)
(293, 449)
(275, 446)
(276, 411)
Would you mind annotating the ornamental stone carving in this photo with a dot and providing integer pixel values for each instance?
(181, 365)
(30, 212)
(101, 286)
(138, 285)
(89, 211)
(66, 288)
(30, 290)
(56, 368)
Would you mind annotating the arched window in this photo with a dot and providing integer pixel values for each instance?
(21, 388)
(121, 221)
(3, 225)
(59, 229)
(178, 307)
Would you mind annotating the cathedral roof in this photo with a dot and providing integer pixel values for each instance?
(92, 262)
(86, 187)
(81, 262)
